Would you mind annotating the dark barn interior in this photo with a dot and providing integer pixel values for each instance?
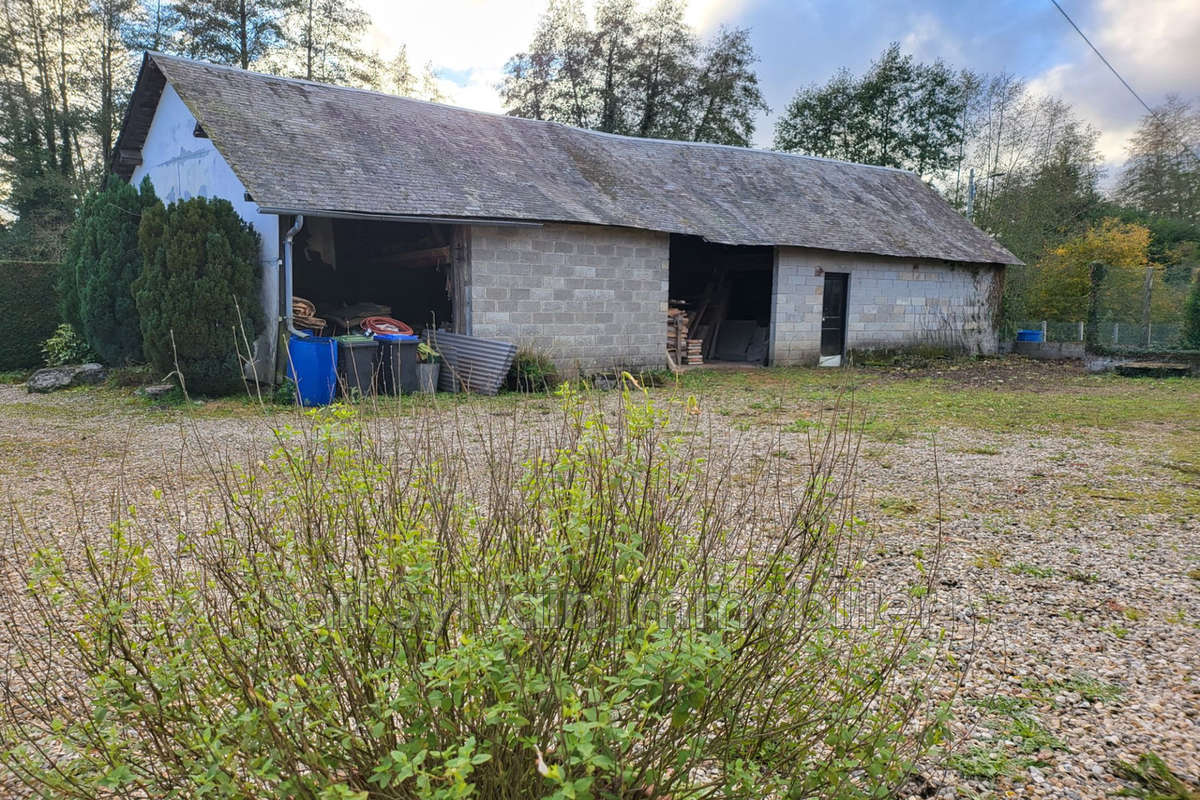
(720, 301)
(351, 268)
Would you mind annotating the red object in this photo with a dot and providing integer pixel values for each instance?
(386, 325)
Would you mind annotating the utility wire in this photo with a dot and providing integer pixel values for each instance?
(1125, 83)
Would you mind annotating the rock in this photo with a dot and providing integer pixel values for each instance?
(51, 379)
(1036, 775)
(156, 391)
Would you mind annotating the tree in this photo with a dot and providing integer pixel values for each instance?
(640, 74)
(398, 78)
(727, 91)
(899, 114)
(1162, 176)
(198, 291)
(1061, 281)
(102, 264)
(238, 32)
(324, 45)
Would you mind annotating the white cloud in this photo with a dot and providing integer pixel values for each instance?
(1154, 45)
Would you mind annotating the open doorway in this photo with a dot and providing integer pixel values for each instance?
(351, 269)
(720, 302)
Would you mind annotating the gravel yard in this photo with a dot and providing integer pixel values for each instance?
(1069, 506)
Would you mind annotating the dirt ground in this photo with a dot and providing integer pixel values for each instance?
(1069, 505)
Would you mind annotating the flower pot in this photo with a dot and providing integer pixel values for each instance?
(427, 377)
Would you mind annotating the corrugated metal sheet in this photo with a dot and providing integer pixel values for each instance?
(470, 363)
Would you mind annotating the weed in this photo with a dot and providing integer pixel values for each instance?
(1029, 735)
(1133, 614)
(981, 450)
(985, 763)
(1093, 689)
(898, 506)
(1032, 570)
(1152, 779)
(1087, 578)
(1002, 704)
(1194, 573)
(988, 559)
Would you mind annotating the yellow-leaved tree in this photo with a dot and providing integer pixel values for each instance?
(1061, 279)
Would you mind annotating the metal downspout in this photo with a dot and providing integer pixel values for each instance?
(287, 274)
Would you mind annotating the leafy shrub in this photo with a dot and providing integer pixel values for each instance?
(102, 262)
(28, 309)
(198, 291)
(532, 372)
(371, 618)
(66, 346)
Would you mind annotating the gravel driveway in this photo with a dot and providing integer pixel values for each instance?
(1073, 550)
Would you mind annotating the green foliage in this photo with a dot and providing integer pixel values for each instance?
(102, 263)
(1191, 318)
(532, 372)
(899, 114)
(636, 72)
(198, 291)
(1152, 779)
(66, 346)
(28, 309)
(357, 620)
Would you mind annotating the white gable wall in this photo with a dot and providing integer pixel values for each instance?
(182, 166)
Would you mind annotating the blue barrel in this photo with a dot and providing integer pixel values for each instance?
(1029, 336)
(312, 364)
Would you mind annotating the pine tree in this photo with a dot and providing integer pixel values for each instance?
(198, 291)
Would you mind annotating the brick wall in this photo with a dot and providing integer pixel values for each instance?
(892, 303)
(590, 297)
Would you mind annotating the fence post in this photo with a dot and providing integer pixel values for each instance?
(1081, 330)
(1116, 334)
(1045, 338)
(1148, 293)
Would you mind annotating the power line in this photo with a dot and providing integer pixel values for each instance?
(1125, 83)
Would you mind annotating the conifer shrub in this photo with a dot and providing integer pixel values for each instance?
(29, 311)
(108, 261)
(198, 294)
(595, 611)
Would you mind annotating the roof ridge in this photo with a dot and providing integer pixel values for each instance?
(497, 114)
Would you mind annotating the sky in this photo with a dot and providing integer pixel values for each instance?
(1155, 44)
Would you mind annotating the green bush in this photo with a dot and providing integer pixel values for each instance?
(1191, 318)
(28, 309)
(373, 618)
(198, 293)
(101, 265)
(66, 346)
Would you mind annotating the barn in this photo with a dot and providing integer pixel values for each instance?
(584, 246)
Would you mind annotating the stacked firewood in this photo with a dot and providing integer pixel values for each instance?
(681, 348)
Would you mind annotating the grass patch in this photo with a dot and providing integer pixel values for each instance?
(898, 506)
(1152, 779)
(981, 450)
(1032, 570)
(988, 763)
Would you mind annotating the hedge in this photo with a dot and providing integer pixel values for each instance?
(29, 310)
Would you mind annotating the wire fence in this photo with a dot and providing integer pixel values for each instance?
(1116, 334)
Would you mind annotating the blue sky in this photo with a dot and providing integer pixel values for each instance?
(1154, 43)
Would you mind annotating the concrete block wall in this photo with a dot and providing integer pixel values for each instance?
(891, 303)
(590, 297)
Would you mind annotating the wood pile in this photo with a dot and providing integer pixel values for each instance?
(682, 348)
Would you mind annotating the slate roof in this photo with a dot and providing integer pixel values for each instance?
(300, 146)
